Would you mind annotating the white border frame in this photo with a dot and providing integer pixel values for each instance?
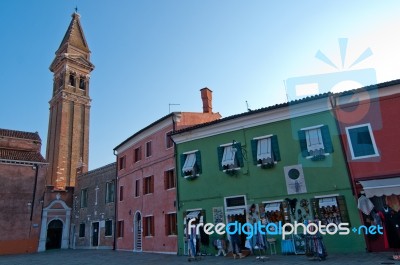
(371, 134)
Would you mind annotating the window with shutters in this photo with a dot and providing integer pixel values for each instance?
(84, 198)
(191, 164)
(230, 157)
(148, 228)
(265, 151)
(315, 142)
(148, 185)
(137, 188)
(169, 179)
(108, 228)
(361, 141)
(148, 149)
(110, 194)
(137, 154)
(120, 228)
(170, 224)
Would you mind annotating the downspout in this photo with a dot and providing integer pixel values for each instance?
(176, 174)
(34, 190)
(115, 201)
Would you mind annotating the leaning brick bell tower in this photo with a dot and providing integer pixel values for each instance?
(68, 134)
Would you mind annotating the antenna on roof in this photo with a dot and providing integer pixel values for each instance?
(247, 106)
(171, 104)
(287, 95)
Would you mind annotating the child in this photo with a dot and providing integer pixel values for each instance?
(220, 245)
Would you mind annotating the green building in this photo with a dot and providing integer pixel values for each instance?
(287, 160)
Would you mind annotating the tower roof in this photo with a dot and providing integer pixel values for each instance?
(74, 35)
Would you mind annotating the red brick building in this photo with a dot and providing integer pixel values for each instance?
(22, 182)
(146, 184)
(369, 126)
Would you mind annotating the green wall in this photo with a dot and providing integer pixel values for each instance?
(324, 177)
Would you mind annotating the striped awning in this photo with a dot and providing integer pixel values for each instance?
(239, 211)
(380, 187)
(191, 215)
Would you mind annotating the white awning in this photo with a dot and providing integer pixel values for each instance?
(325, 202)
(235, 211)
(380, 187)
(191, 215)
(272, 207)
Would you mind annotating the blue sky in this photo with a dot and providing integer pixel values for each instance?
(149, 54)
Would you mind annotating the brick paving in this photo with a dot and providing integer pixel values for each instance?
(103, 257)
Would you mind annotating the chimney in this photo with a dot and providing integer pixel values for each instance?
(206, 97)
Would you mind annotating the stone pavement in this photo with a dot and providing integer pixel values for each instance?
(103, 257)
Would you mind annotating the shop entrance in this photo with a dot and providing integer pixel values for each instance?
(235, 209)
(54, 235)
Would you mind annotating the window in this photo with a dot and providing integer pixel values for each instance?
(120, 227)
(170, 224)
(148, 185)
(82, 84)
(121, 163)
(168, 140)
(84, 198)
(82, 230)
(121, 193)
(137, 154)
(265, 150)
(361, 141)
(148, 149)
(169, 179)
(108, 228)
(330, 209)
(71, 79)
(273, 211)
(191, 164)
(315, 142)
(137, 188)
(110, 192)
(230, 156)
(148, 228)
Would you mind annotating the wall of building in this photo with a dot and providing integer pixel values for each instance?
(156, 204)
(19, 221)
(97, 210)
(258, 185)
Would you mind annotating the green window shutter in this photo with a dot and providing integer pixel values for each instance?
(275, 148)
(239, 154)
(326, 138)
(343, 209)
(220, 152)
(303, 143)
(198, 162)
(183, 159)
(254, 150)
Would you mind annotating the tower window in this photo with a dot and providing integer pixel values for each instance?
(82, 83)
(72, 80)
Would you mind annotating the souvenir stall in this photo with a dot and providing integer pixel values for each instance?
(379, 204)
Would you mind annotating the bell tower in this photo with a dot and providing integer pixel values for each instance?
(68, 133)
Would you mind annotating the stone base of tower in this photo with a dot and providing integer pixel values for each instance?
(56, 219)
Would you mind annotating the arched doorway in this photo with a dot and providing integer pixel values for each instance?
(54, 234)
(137, 232)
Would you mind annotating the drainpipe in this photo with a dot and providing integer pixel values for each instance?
(34, 189)
(115, 201)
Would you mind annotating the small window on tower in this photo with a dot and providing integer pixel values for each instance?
(72, 80)
(82, 83)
